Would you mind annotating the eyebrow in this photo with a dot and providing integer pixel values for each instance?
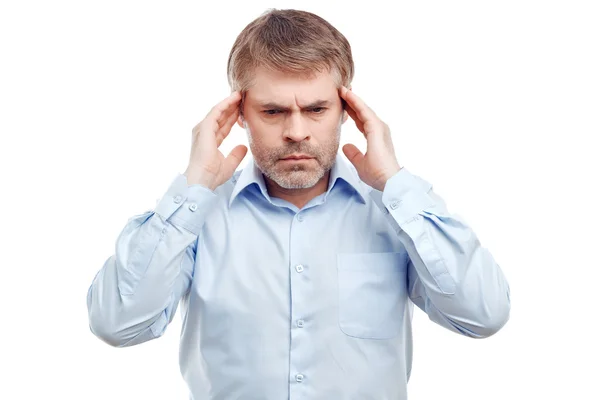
(314, 104)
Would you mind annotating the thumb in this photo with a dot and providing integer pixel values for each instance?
(234, 159)
(354, 155)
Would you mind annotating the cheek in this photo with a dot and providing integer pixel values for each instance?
(261, 140)
(327, 130)
(267, 133)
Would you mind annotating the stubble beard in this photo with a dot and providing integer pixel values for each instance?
(301, 175)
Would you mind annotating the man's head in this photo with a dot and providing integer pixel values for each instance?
(289, 66)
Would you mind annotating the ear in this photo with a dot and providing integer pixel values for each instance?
(345, 105)
(240, 119)
(240, 122)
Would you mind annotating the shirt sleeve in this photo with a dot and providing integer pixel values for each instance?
(451, 276)
(134, 296)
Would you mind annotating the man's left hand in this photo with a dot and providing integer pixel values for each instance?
(379, 163)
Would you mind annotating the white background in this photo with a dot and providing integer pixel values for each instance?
(495, 103)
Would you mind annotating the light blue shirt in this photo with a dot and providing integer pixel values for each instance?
(282, 303)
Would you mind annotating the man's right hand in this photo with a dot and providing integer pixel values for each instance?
(207, 165)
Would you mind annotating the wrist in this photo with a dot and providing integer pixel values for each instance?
(387, 176)
(200, 179)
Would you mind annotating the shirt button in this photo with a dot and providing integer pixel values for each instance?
(193, 207)
(300, 323)
(300, 218)
(177, 199)
(299, 378)
(394, 205)
(299, 268)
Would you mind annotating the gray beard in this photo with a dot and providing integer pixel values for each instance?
(297, 177)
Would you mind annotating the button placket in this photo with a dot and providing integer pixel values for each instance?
(300, 283)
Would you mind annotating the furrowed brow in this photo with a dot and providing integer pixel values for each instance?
(314, 104)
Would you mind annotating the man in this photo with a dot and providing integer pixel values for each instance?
(295, 273)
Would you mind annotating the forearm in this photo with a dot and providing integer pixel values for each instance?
(452, 277)
(458, 284)
(134, 295)
(136, 285)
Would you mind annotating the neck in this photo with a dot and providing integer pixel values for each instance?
(298, 197)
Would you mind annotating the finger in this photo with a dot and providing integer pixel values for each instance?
(230, 120)
(357, 121)
(219, 113)
(364, 112)
(225, 130)
(234, 159)
(354, 155)
(226, 114)
(215, 112)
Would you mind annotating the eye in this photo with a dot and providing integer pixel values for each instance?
(272, 112)
(318, 110)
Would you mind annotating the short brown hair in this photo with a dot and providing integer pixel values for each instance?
(289, 41)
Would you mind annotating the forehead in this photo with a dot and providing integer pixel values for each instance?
(287, 88)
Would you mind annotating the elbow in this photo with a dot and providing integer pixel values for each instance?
(101, 326)
(483, 321)
(500, 316)
(109, 336)
(493, 326)
(490, 315)
(491, 322)
(117, 331)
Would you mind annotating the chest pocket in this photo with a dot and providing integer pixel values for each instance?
(372, 293)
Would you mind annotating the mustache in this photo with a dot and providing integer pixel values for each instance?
(301, 148)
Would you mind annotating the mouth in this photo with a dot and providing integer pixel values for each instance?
(297, 158)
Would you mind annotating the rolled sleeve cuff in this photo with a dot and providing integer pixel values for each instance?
(405, 196)
(186, 206)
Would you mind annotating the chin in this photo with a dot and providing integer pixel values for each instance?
(297, 179)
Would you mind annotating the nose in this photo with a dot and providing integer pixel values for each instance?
(296, 130)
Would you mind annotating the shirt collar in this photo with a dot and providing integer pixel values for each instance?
(341, 170)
